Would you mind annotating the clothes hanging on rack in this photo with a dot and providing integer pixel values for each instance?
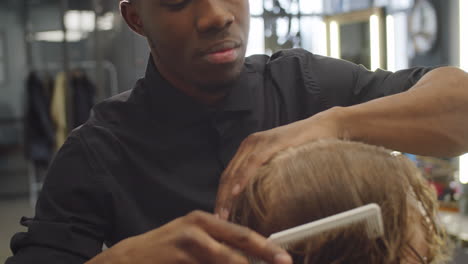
(83, 92)
(39, 131)
(58, 109)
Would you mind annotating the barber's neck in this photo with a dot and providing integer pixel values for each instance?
(189, 89)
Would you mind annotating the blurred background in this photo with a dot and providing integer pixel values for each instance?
(59, 57)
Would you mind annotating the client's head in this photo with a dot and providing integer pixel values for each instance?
(323, 178)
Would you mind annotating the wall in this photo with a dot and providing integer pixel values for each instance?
(13, 172)
(11, 92)
(128, 51)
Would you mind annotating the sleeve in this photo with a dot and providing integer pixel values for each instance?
(342, 83)
(309, 83)
(70, 220)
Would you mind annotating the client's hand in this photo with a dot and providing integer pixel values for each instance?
(196, 238)
(258, 148)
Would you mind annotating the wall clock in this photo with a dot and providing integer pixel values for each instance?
(422, 26)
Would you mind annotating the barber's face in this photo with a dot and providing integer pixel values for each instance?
(201, 42)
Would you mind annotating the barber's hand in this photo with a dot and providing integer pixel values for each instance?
(258, 148)
(198, 238)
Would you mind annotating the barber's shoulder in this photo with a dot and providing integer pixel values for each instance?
(106, 119)
(289, 54)
(284, 57)
(256, 63)
(115, 110)
(306, 58)
(113, 102)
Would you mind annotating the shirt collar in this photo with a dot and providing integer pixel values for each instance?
(171, 105)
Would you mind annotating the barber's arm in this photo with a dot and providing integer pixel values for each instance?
(431, 118)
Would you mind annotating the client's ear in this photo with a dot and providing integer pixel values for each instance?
(131, 15)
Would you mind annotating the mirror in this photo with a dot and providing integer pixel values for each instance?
(359, 37)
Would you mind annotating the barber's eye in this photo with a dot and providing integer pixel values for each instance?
(175, 4)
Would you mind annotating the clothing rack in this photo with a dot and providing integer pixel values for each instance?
(36, 174)
(102, 72)
(90, 65)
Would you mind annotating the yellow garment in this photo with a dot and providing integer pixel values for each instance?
(58, 109)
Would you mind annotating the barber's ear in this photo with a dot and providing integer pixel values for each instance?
(130, 13)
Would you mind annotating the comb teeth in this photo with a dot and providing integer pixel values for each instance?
(374, 226)
(370, 215)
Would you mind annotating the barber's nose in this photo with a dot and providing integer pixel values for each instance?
(213, 15)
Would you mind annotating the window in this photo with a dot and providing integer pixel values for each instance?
(280, 24)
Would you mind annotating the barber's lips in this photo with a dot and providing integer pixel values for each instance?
(223, 53)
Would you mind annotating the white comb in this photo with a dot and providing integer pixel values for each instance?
(370, 215)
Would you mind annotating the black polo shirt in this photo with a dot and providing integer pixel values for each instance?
(153, 154)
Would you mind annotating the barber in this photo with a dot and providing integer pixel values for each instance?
(192, 132)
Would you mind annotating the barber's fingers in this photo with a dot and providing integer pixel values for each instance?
(258, 148)
(227, 181)
(254, 152)
(199, 247)
(240, 238)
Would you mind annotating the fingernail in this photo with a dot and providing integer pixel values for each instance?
(236, 190)
(283, 259)
(224, 213)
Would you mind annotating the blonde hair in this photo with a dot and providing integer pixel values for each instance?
(323, 178)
